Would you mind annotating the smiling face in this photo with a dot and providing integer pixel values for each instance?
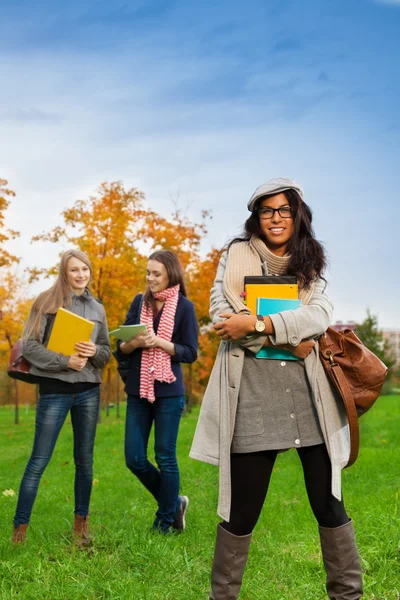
(156, 276)
(78, 275)
(277, 229)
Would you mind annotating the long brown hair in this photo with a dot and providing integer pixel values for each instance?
(174, 271)
(49, 301)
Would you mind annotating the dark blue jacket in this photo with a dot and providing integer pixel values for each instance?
(184, 338)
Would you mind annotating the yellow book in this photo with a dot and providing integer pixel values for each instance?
(257, 287)
(68, 330)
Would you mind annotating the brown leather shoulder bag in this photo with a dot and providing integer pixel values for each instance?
(357, 374)
(18, 366)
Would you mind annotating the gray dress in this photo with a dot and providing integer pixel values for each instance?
(275, 408)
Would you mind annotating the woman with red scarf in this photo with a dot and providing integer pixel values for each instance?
(155, 385)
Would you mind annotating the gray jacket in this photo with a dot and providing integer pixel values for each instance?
(215, 427)
(47, 363)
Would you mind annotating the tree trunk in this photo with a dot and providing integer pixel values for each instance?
(117, 394)
(16, 417)
(99, 413)
(189, 390)
(108, 395)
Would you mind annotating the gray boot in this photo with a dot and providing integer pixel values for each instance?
(342, 562)
(230, 558)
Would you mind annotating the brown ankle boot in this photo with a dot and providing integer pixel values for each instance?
(230, 560)
(19, 533)
(342, 562)
(80, 531)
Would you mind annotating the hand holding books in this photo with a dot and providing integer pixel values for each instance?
(86, 349)
(76, 362)
(236, 326)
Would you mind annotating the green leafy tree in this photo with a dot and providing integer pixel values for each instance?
(370, 334)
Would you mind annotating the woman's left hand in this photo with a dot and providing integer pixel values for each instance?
(86, 349)
(150, 340)
(235, 326)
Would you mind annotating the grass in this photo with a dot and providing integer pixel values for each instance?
(128, 561)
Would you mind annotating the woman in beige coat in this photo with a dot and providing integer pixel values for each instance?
(253, 408)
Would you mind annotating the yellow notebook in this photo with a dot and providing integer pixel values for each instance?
(269, 286)
(68, 330)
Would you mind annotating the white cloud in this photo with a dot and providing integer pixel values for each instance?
(72, 122)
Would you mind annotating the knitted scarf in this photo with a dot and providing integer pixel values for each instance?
(254, 258)
(156, 363)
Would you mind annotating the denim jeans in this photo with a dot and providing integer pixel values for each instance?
(161, 482)
(51, 412)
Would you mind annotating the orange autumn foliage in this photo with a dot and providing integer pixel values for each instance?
(118, 233)
(6, 259)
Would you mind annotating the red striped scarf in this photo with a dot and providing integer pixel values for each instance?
(156, 363)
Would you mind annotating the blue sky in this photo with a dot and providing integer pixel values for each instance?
(200, 103)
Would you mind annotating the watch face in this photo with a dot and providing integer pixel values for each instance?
(259, 326)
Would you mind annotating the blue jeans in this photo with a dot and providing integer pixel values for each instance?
(162, 483)
(51, 412)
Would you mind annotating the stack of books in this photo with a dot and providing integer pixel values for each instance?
(270, 294)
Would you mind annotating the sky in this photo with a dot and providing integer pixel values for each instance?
(198, 104)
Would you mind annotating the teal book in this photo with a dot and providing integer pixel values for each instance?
(271, 306)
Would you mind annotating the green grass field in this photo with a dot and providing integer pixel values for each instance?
(128, 561)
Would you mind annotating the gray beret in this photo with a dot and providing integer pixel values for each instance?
(274, 186)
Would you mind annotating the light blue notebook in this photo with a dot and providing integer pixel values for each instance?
(271, 306)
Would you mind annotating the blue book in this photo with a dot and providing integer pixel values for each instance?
(271, 306)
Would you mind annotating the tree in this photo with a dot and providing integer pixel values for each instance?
(200, 281)
(117, 232)
(6, 259)
(372, 337)
(15, 311)
(10, 322)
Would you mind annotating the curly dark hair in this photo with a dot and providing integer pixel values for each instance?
(307, 255)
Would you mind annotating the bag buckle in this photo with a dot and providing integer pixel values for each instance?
(329, 354)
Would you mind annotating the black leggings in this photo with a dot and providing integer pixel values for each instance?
(250, 476)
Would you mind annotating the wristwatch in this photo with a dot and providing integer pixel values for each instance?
(260, 324)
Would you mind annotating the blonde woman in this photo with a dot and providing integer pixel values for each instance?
(67, 384)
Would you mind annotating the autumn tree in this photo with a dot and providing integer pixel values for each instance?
(118, 233)
(200, 281)
(6, 259)
(13, 309)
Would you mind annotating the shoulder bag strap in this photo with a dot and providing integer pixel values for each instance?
(351, 410)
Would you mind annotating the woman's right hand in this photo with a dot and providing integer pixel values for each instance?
(77, 362)
(303, 349)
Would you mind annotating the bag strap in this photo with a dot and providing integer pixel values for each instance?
(350, 409)
(49, 322)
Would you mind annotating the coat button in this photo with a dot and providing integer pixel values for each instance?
(297, 441)
(292, 415)
(283, 363)
(288, 390)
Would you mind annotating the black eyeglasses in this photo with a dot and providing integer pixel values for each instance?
(267, 213)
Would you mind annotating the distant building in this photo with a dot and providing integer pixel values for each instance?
(339, 325)
(393, 338)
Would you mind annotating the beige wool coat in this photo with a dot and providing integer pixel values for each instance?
(215, 427)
